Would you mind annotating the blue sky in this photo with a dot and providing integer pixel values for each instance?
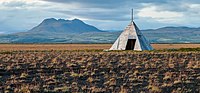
(22, 15)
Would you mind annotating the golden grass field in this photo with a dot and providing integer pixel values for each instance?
(11, 47)
(99, 72)
(38, 71)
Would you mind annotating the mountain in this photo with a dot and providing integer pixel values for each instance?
(76, 31)
(63, 26)
(173, 35)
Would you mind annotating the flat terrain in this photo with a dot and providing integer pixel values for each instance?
(176, 46)
(83, 46)
(99, 72)
(62, 71)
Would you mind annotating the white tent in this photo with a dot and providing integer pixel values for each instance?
(131, 39)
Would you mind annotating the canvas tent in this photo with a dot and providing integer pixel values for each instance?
(131, 39)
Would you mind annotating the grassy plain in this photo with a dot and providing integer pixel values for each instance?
(84, 46)
(56, 70)
(99, 72)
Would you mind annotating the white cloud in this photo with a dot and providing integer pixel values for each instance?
(193, 9)
(1, 32)
(15, 4)
(25, 14)
(157, 14)
(193, 6)
(35, 4)
(29, 13)
(191, 14)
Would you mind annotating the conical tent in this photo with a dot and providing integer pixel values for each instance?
(131, 39)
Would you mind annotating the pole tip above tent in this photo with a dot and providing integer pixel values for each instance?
(131, 39)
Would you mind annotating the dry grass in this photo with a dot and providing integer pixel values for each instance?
(53, 46)
(175, 46)
(83, 46)
(92, 72)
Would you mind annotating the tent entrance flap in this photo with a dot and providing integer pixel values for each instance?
(130, 44)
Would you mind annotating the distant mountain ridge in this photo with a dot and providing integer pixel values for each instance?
(64, 26)
(172, 28)
(76, 31)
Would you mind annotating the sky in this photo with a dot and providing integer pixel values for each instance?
(22, 15)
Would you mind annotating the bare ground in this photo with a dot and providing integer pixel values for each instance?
(102, 72)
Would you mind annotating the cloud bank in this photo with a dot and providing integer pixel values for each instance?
(21, 15)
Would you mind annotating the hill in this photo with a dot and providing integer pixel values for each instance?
(76, 31)
(173, 35)
(63, 26)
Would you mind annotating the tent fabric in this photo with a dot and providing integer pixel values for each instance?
(131, 32)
